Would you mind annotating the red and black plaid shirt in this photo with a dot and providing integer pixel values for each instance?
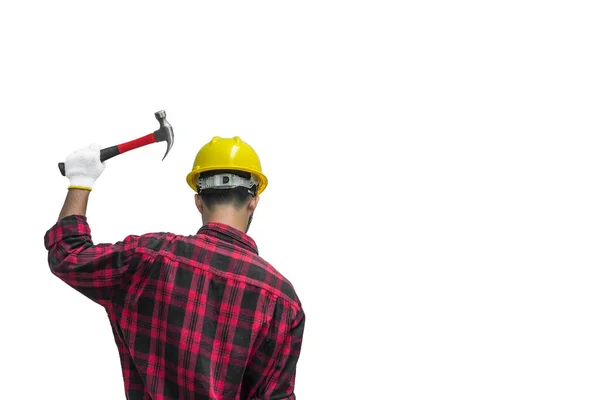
(194, 317)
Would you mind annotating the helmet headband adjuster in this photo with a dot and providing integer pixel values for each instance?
(226, 181)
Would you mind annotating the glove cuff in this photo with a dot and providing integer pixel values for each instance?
(80, 188)
(81, 182)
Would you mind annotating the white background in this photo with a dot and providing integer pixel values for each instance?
(433, 189)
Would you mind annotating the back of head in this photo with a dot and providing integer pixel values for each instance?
(226, 188)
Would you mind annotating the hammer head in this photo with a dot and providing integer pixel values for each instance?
(165, 132)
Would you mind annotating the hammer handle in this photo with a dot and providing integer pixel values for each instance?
(112, 151)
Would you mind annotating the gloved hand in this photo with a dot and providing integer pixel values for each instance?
(83, 167)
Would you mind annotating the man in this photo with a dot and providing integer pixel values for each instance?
(194, 317)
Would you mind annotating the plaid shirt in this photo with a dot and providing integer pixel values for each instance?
(194, 317)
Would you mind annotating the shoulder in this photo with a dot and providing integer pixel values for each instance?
(280, 285)
(156, 240)
(224, 258)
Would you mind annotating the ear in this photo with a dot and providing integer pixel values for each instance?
(253, 204)
(199, 204)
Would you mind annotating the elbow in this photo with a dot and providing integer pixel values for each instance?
(57, 260)
(56, 264)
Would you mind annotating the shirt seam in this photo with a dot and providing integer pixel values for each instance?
(222, 274)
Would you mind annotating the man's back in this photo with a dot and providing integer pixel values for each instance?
(194, 317)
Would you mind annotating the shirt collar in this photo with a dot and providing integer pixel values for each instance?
(229, 234)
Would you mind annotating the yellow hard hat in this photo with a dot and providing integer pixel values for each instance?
(227, 154)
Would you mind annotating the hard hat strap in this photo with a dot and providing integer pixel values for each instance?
(226, 181)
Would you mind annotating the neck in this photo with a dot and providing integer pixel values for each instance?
(227, 216)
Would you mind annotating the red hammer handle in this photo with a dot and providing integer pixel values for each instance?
(112, 151)
(134, 144)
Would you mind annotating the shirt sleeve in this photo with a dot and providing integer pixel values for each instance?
(281, 378)
(93, 270)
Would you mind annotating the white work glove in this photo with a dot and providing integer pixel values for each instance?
(83, 167)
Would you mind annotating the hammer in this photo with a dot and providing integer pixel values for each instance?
(163, 133)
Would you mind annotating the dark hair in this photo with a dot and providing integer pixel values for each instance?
(237, 196)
